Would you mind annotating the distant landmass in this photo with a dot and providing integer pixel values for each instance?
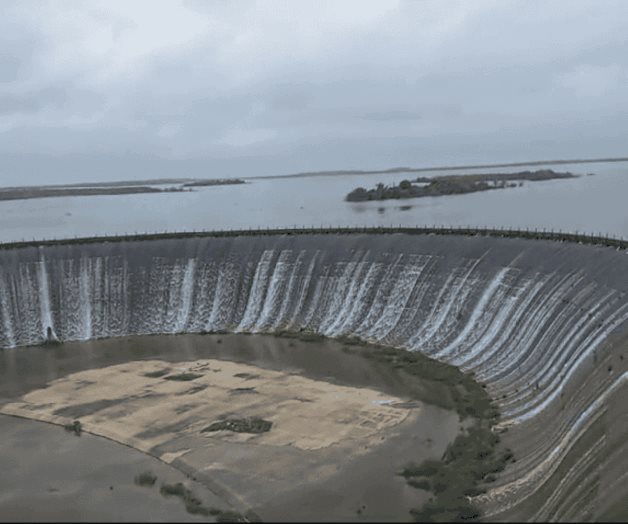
(160, 185)
(41, 192)
(112, 188)
(214, 182)
(452, 185)
(397, 170)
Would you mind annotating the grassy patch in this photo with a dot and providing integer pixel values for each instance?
(428, 468)
(472, 460)
(240, 425)
(146, 479)
(467, 465)
(176, 490)
(195, 506)
(423, 484)
(184, 377)
(74, 427)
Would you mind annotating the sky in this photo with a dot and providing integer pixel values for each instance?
(109, 90)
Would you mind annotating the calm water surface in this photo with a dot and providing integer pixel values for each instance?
(27, 368)
(50, 475)
(590, 204)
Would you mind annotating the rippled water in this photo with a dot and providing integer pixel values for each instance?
(590, 204)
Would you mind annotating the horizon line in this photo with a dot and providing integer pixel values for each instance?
(392, 170)
(405, 169)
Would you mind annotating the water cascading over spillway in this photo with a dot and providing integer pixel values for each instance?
(543, 324)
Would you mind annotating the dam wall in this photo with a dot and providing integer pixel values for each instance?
(544, 325)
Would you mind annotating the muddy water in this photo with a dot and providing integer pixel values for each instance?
(27, 368)
(43, 459)
(50, 475)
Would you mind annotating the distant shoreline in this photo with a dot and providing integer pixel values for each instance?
(452, 185)
(46, 192)
(399, 170)
(111, 188)
(188, 182)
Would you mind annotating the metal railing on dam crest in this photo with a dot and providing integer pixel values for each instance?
(599, 239)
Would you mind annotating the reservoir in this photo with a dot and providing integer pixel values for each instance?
(590, 204)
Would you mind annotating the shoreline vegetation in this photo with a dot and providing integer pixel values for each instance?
(185, 184)
(453, 185)
(113, 188)
(24, 194)
(193, 505)
(473, 461)
(469, 466)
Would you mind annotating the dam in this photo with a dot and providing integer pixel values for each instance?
(543, 325)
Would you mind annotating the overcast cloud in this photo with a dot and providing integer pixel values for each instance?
(104, 90)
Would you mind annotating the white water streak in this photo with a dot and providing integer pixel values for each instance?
(44, 298)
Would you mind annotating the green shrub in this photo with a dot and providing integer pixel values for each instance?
(75, 427)
(177, 490)
(240, 425)
(428, 468)
(147, 479)
(423, 484)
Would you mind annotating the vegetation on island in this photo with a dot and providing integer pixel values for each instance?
(113, 188)
(452, 185)
(47, 192)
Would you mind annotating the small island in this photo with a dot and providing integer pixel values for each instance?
(126, 187)
(452, 185)
(47, 192)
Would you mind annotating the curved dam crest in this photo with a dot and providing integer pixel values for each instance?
(542, 324)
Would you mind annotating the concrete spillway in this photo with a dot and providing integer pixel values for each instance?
(542, 324)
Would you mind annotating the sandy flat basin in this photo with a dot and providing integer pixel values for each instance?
(333, 447)
(127, 403)
(319, 425)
